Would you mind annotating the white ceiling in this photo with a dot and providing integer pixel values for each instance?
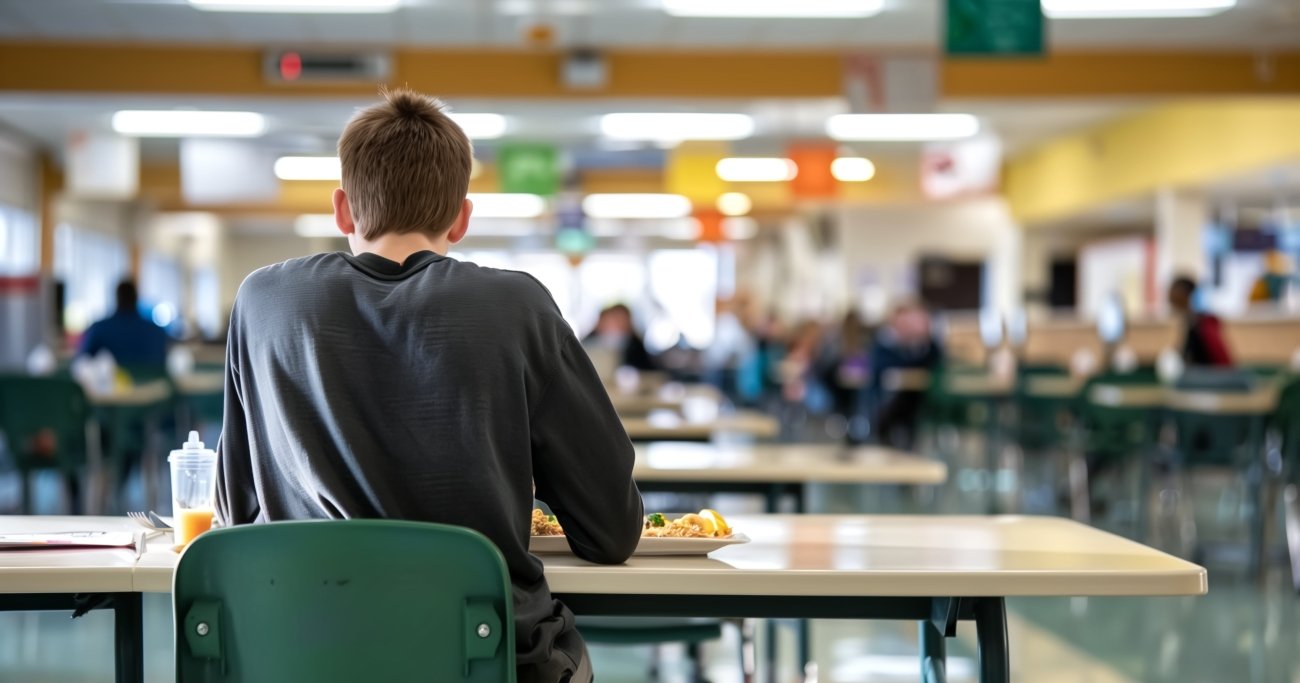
(1254, 24)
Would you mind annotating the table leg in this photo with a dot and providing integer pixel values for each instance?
(769, 656)
(934, 658)
(128, 632)
(992, 446)
(1255, 474)
(991, 630)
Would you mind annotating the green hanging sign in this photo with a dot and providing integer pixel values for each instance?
(995, 27)
(529, 168)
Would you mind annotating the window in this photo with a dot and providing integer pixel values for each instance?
(90, 264)
(161, 280)
(207, 302)
(19, 242)
(684, 289)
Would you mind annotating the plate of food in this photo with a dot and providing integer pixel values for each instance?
(693, 533)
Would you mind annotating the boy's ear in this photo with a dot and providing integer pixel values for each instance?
(343, 213)
(461, 225)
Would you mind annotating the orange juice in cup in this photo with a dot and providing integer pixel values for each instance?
(190, 522)
(194, 488)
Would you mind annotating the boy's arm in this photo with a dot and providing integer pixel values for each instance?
(236, 491)
(582, 460)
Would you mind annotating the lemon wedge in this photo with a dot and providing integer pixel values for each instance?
(720, 526)
(704, 523)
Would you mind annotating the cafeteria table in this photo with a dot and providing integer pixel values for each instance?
(669, 426)
(775, 470)
(994, 393)
(934, 570)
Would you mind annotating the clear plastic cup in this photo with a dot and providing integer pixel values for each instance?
(194, 488)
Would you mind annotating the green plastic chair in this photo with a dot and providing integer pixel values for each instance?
(343, 601)
(44, 422)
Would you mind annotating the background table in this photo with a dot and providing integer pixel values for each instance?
(776, 470)
(670, 427)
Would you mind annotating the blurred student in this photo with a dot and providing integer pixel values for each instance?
(1203, 340)
(906, 342)
(134, 342)
(732, 346)
(614, 332)
(394, 382)
(1271, 287)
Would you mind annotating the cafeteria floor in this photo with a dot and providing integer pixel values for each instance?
(1241, 631)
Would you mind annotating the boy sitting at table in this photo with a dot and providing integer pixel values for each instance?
(396, 382)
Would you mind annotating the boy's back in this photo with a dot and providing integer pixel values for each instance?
(428, 390)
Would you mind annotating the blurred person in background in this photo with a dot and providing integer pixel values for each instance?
(905, 342)
(1272, 285)
(135, 342)
(1203, 341)
(732, 346)
(614, 331)
(845, 371)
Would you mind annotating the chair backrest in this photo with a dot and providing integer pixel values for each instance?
(43, 420)
(1287, 422)
(357, 600)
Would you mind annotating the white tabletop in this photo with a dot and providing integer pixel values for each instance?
(671, 396)
(143, 394)
(906, 379)
(1054, 386)
(201, 383)
(1258, 402)
(793, 555)
(784, 463)
(981, 385)
(813, 555)
(666, 426)
(106, 570)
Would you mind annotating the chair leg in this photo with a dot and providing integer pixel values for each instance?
(696, 662)
(25, 504)
(1292, 495)
(1080, 491)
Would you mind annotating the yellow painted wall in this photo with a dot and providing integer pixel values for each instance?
(1184, 144)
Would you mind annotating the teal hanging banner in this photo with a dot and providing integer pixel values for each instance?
(995, 28)
(529, 168)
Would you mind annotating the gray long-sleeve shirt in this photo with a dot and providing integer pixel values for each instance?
(433, 390)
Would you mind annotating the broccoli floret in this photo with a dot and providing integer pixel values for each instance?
(656, 519)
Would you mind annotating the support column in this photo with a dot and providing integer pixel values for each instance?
(1182, 217)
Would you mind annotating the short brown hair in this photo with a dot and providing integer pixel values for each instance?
(406, 166)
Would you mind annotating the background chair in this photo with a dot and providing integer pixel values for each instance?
(45, 421)
(343, 601)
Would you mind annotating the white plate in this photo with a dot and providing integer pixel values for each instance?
(649, 545)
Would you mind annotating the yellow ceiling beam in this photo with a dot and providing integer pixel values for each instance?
(1183, 144)
(118, 68)
(1125, 73)
(237, 71)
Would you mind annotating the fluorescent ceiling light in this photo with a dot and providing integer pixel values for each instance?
(734, 204)
(853, 169)
(308, 168)
(676, 126)
(182, 123)
(1132, 9)
(774, 8)
(501, 205)
(316, 225)
(756, 170)
(298, 6)
(481, 126)
(902, 126)
(636, 206)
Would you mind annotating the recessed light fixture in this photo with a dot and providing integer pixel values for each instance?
(299, 6)
(756, 169)
(915, 127)
(739, 227)
(188, 123)
(853, 169)
(632, 205)
(787, 9)
(308, 168)
(734, 204)
(1134, 9)
(480, 126)
(506, 205)
(669, 127)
